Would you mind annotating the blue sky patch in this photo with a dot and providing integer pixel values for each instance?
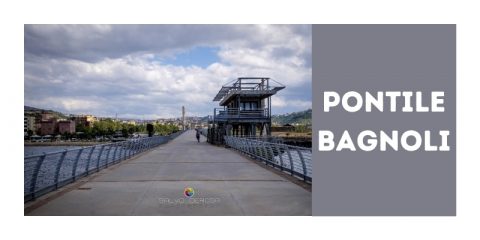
(198, 56)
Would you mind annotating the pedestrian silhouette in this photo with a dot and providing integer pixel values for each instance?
(198, 135)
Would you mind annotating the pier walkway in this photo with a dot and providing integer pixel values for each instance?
(223, 181)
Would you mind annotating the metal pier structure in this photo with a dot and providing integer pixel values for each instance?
(246, 108)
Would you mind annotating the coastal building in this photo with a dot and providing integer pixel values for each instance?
(84, 120)
(45, 116)
(48, 127)
(29, 124)
(66, 126)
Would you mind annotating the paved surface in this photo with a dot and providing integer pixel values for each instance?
(224, 181)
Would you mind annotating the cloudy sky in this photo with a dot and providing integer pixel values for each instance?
(150, 71)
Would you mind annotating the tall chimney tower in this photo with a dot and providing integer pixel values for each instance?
(183, 117)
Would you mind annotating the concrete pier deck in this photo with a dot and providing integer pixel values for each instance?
(224, 183)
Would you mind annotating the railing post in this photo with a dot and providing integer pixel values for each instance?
(131, 146)
(238, 143)
(115, 152)
(89, 159)
(33, 184)
(125, 148)
(250, 148)
(139, 146)
(59, 166)
(280, 157)
(99, 156)
(135, 146)
(258, 149)
(264, 152)
(291, 161)
(270, 152)
(119, 149)
(75, 164)
(143, 143)
(303, 165)
(108, 153)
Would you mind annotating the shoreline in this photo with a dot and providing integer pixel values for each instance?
(45, 144)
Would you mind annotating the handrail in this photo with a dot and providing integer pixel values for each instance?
(46, 172)
(294, 160)
(239, 113)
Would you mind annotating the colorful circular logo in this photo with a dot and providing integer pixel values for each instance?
(189, 192)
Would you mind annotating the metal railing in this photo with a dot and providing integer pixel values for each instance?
(47, 172)
(228, 113)
(297, 161)
(271, 139)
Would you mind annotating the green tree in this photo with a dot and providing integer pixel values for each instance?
(88, 132)
(131, 128)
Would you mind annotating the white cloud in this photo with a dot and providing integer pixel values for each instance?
(293, 103)
(88, 75)
(70, 104)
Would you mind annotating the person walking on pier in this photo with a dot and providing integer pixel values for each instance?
(198, 135)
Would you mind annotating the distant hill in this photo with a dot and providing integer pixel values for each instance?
(302, 117)
(32, 109)
(204, 119)
(35, 111)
